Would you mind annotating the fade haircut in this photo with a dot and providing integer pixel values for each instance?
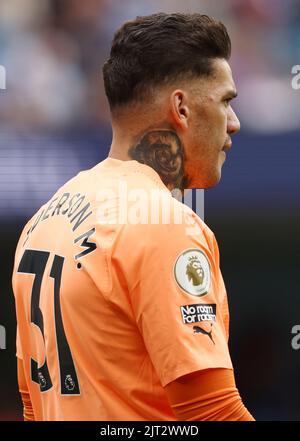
(158, 49)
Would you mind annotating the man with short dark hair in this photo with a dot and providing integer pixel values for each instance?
(121, 306)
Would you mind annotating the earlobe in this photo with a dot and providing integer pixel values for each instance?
(184, 115)
(184, 112)
(179, 109)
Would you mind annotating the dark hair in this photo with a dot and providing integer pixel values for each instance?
(159, 48)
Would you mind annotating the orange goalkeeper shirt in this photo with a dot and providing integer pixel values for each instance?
(118, 293)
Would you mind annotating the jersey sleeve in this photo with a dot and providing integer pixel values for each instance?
(209, 395)
(28, 413)
(178, 296)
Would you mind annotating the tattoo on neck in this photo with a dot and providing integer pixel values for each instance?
(163, 151)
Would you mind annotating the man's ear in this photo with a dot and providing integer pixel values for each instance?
(179, 109)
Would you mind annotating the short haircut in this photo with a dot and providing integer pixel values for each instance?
(158, 49)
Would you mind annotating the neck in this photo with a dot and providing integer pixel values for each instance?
(159, 147)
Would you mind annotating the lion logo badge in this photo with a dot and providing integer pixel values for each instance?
(69, 382)
(192, 272)
(42, 380)
(195, 271)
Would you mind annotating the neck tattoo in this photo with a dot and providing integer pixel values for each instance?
(163, 151)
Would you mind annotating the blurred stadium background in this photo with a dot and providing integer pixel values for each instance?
(54, 121)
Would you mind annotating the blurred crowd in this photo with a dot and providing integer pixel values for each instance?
(53, 51)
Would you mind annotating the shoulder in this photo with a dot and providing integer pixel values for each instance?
(156, 220)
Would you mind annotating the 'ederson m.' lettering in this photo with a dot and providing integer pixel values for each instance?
(89, 246)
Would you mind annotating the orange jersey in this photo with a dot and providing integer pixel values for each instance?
(118, 293)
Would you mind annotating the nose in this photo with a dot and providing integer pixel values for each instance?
(233, 123)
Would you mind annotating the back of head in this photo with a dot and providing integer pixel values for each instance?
(158, 49)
